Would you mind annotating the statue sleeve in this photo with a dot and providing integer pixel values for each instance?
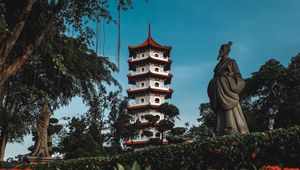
(235, 69)
(237, 83)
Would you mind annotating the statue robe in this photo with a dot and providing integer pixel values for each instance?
(223, 91)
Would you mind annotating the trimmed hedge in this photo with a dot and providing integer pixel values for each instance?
(278, 147)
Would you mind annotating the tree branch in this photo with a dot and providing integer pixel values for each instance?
(14, 67)
(10, 41)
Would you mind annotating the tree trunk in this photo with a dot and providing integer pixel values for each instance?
(162, 137)
(3, 142)
(3, 135)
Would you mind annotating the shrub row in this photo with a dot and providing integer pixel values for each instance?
(251, 151)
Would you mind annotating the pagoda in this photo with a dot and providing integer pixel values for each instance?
(149, 63)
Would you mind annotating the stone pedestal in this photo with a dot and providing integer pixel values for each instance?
(39, 160)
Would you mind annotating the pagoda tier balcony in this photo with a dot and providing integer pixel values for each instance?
(141, 141)
(148, 105)
(133, 77)
(133, 92)
(143, 124)
(134, 62)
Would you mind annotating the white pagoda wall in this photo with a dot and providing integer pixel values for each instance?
(150, 82)
(150, 98)
(152, 53)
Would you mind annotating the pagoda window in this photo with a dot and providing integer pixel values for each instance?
(156, 84)
(157, 100)
(142, 100)
(156, 55)
(142, 84)
(143, 55)
(157, 135)
(158, 117)
(143, 69)
(156, 69)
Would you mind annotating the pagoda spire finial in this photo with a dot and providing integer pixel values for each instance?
(149, 30)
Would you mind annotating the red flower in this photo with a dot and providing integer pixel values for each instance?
(217, 150)
(269, 167)
(253, 155)
(234, 142)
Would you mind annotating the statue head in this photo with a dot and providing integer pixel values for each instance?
(224, 50)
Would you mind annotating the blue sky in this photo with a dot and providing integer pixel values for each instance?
(259, 29)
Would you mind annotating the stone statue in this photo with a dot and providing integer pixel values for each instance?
(41, 145)
(223, 91)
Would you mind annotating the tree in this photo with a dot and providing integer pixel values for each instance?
(51, 80)
(206, 127)
(151, 118)
(176, 135)
(79, 140)
(207, 117)
(263, 95)
(199, 133)
(55, 76)
(40, 16)
(170, 112)
(117, 120)
(289, 111)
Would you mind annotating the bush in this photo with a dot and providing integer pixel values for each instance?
(175, 139)
(278, 147)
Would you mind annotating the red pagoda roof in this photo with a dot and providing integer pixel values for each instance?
(149, 42)
(129, 142)
(132, 92)
(167, 77)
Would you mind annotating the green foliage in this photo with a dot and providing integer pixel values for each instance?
(117, 119)
(169, 110)
(151, 118)
(176, 135)
(178, 131)
(199, 133)
(81, 140)
(264, 91)
(3, 25)
(131, 130)
(289, 111)
(135, 166)
(207, 121)
(155, 141)
(250, 151)
(147, 133)
(175, 139)
(165, 125)
(207, 116)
